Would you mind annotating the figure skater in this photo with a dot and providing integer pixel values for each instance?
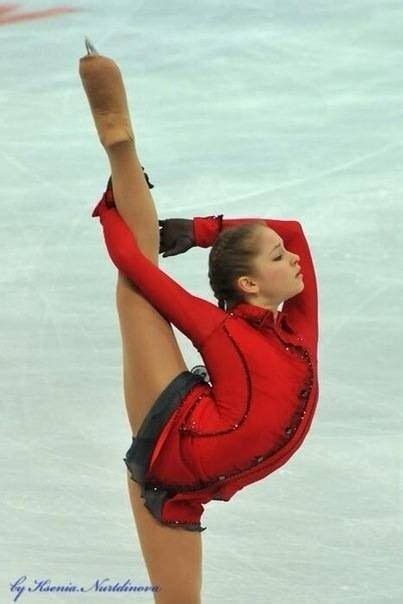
(202, 434)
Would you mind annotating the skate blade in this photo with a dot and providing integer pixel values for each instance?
(90, 47)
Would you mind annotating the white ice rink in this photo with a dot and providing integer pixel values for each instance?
(275, 109)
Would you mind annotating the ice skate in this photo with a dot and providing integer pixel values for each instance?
(104, 87)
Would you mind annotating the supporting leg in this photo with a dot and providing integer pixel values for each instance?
(151, 359)
(173, 556)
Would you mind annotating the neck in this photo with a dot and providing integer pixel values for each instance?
(265, 304)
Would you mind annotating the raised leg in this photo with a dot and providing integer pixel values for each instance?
(151, 355)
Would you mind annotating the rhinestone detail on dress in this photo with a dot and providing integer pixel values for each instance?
(191, 429)
(296, 419)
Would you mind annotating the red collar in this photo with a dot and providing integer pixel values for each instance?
(259, 316)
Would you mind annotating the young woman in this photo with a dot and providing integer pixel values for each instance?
(201, 436)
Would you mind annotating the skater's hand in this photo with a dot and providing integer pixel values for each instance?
(176, 236)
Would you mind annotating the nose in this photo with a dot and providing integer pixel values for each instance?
(295, 263)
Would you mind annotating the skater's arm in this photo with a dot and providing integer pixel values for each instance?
(302, 309)
(207, 228)
(193, 316)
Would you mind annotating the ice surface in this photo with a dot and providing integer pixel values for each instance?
(270, 109)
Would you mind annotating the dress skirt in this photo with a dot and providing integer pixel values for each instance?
(143, 446)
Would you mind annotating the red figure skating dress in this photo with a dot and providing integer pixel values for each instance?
(260, 401)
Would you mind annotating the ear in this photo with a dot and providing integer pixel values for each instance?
(247, 285)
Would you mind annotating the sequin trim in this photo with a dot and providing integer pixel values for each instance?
(156, 512)
(191, 526)
(189, 430)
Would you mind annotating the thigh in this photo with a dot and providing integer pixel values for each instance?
(151, 354)
(173, 555)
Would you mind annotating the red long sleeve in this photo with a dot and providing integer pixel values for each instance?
(263, 373)
(193, 316)
(301, 309)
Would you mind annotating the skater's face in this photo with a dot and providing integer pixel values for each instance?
(274, 279)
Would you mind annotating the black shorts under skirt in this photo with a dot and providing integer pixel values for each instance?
(138, 456)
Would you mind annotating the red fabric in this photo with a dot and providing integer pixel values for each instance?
(263, 373)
